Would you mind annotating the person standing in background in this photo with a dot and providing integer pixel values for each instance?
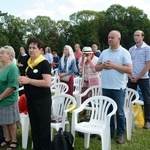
(22, 61)
(48, 55)
(78, 55)
(87, 68)
(95, 50)
(9, 112)
(115, 63)
(37, 84)
(140, 54)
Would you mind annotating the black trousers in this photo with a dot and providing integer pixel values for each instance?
(40, 114)
(145, 89)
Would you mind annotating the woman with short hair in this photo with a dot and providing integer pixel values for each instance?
(9, 114)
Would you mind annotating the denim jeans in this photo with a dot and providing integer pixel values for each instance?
(145, 89)
(118, 96)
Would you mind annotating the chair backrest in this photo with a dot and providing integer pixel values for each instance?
(61, 105)
(101, 107)
(93, 90)
(55, 71)
(77, 84)
(60, 87)
(130, 97)
(55, 79)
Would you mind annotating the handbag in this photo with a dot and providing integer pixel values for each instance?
(94, 79)
(63, 140)
(66, 78)
(138, 116)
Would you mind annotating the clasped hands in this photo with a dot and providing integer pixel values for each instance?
(108, 65)
(23, 80)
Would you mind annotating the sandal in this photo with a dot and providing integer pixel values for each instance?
(12, 147)
(4, 143)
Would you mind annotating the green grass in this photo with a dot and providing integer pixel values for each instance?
(140, 141)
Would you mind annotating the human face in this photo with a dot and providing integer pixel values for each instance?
(94, 48)
(77, 47)
(22, 51)
(138, 37)
(113, 39)
(66, 52)
(4, 57)
(34, 51)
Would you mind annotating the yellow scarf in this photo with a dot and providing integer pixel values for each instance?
(35, 63)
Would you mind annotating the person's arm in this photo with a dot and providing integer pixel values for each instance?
(143, 72)
(99, 67)
(7, 92)
(45, 82)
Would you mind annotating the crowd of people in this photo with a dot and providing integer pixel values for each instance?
(119, 69)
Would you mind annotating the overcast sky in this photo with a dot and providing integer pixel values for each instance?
(62, 9)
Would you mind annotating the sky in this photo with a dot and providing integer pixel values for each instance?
(62, 9)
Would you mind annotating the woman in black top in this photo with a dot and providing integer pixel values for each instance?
(22, 61)
(37, 90)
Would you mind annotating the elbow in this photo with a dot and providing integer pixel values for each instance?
(129, 71)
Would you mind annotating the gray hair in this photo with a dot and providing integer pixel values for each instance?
(9, 50)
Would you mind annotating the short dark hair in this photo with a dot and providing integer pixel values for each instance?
(39, 43)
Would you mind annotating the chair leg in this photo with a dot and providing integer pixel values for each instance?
(68, 127)
(86, 140)
(129, 125)
(52, 129)
(25, 130)
(106, 141)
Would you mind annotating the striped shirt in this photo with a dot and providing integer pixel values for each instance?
(139, 58)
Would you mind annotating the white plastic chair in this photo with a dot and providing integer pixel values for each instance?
(77, 87)
(99, 121)
(55, 79)
(60, 87)
(61, 105)
(131, 97)
(54, 71)
(94, 90)
(24, 120)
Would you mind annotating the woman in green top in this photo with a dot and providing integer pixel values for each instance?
(9, 114)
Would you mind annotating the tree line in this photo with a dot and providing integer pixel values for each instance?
(84, 27)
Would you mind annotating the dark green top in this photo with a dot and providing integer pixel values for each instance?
(8, 79)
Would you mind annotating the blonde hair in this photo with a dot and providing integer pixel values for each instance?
(9, 51)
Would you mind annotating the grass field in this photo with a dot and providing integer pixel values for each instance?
(140, 141)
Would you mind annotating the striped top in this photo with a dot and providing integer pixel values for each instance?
(139, 58)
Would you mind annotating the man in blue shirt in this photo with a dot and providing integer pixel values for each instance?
(114, 64)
